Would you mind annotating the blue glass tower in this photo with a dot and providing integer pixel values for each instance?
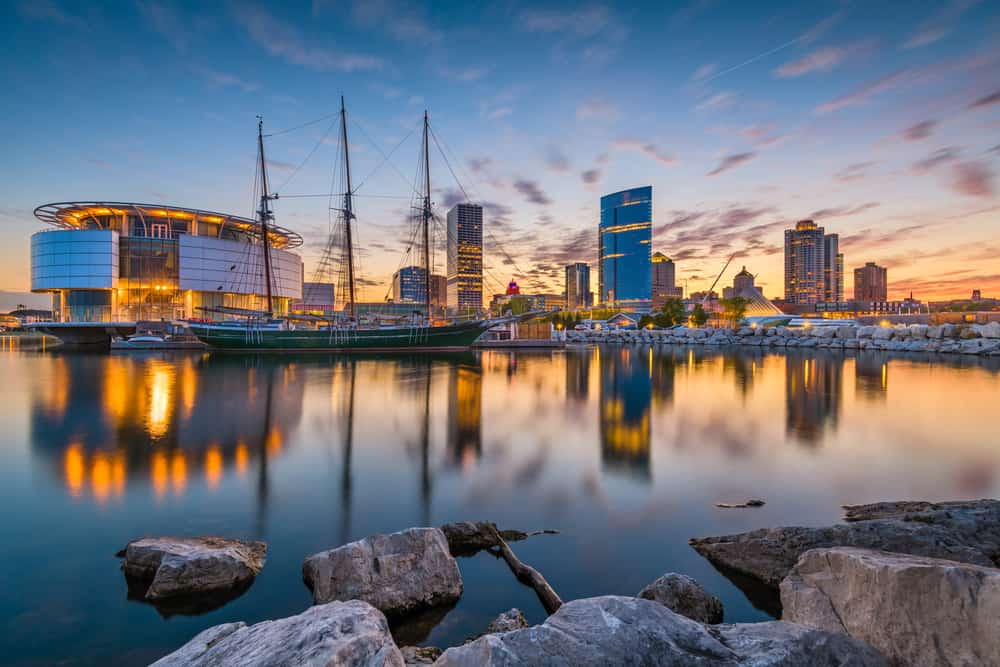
(625, 237)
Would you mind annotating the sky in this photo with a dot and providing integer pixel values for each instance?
(881, 121)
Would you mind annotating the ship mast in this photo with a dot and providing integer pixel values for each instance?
(348, 213)
(427, 219)
(265, 215)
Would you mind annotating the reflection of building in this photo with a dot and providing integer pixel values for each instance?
(871, 283)
(624, 248)
(409, 285)
(813, 393)
(465, 258)
(465, 414)
(664, 280)
(578, 294)
(578, 374)
(814, 267)
(626, 393)
(109, 422)
(128, 262)
(871, 375)
(664, 371)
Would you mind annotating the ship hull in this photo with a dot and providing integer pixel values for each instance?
(451, 337)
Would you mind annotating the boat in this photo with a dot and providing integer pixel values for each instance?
(262, 330)
(152, 341)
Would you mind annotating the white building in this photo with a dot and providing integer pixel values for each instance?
(124, 262)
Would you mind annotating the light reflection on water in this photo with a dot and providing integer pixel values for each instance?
(624, 449)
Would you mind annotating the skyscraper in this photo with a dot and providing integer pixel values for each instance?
(871, 283)
(814, 267)
(578, 296)
(465, 258)
(625, 236)
(408, 285)
(664, 280)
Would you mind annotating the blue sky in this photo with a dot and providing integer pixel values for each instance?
(881, 120)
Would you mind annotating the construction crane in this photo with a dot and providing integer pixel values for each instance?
(717, 278)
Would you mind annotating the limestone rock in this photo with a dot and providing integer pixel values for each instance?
(990, 330)
(420, 655)
(510, 620)
(915, 610)
(613, 630)
(340, 633)
(882, 333)
(398, 574)
(968, 532)
(685, 596)
(186, 566)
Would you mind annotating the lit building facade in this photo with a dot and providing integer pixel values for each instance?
(833, 269)
(465, 258)
(578, 294)
(125, 262)
(625, 236)
(814, 266)
(409, 285)
(871, 283)
(664, 280)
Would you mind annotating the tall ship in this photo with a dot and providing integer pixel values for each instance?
(262, 330)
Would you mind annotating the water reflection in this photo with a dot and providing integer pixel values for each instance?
(626, 394)
(465, 414)
(813, 393)
(871, 375)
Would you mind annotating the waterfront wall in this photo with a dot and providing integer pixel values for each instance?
(977, 339)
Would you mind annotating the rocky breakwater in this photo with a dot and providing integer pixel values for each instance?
(974, 339)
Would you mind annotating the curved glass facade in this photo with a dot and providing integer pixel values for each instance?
(624, 249)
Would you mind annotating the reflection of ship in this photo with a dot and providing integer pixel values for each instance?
(107, 421)
(626, 393)
(465, 412)
(813, 393)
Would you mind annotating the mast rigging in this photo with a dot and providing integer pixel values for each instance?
(348, 213)
(265, 215)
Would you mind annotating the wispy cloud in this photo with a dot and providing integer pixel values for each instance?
(854, 172)
(717, 102)
(47, 10)
(496, 113)
(704, 72)
(973, 179)
(555, 159)
(163, 19)
(986, 101)
(822, 60)
(920, 131)
(532, 192)
(399, 20)
(936, 159)
(466, 74)
(590, 178)
(940, 25)
(596, 109)
(284, 41)
(731, 162)
(648, 149)
(585, 22)
(225, 79)
(862, 94)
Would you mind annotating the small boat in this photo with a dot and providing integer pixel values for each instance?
(151, 341)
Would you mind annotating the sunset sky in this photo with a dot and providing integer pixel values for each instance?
(880, 120)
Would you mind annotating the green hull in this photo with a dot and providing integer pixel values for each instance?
(451, 337)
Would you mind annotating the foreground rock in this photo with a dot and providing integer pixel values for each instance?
(614, 630)
(915, 610)
(968, 532)
(466, 538)
(685, 596)
(340, 633)
(420, 655)
(510, 620)
(400, 573)
(182, 567)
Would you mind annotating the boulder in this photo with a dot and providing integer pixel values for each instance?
(340, 633)
(685, 596)
(915, 610)
(172, 567)
(510, 620)
(466, 538)
(990, 330)
(935, 331)
(614, 630)
(965, 531)
(398, 574)
(918, 331)
(420, 655)
(882, 333)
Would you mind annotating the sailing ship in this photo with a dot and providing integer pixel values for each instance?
(262, 330)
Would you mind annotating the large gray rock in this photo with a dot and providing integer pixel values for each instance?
(968, 532)
(341, 634)
(186, 566)
(915, 610)
(685, 596)
(399, 573)
(615, 630)
(508, 621)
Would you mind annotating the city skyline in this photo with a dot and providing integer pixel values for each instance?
(877, 122)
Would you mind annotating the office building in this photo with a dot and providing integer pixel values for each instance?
(664, 280)
(578, 294)
(814, 270)
(465, 258)
(439, 290)
(625, 240)
(871, 283)
(409, 285)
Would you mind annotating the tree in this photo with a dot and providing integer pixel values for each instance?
(519, 305)
(672, 312)
(733, 310)
(699, 316)
(647, 320)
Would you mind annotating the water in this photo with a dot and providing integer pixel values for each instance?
(625, 450)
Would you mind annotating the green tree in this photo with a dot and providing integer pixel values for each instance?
(646, 320)
(733, 310)
(672, 313)
(699, 316)
(519, 305)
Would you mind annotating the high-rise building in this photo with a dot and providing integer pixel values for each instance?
(465, 258)
(625, 236)
(408, 285)
(664, 280)
(743, 286)
(439, 290)
(814, 267)
(578, 295)
(871, 283)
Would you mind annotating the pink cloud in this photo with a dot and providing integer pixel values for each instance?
(973, 179)
(731, 162)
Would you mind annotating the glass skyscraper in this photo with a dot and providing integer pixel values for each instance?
(465, 258)
(409, 285)
(625, 236)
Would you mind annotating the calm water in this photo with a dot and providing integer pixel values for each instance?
(625, 450)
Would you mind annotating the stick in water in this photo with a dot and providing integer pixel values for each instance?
(529, 576)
